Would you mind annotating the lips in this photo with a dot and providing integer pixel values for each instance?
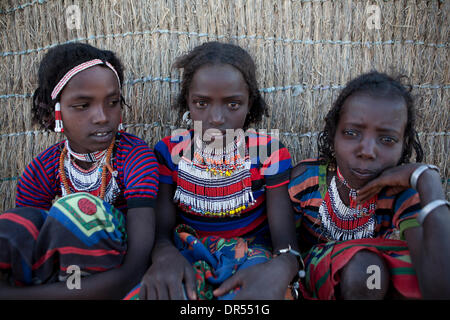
(102, 135)
(364, 174)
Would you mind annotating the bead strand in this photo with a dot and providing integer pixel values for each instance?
(106, 165)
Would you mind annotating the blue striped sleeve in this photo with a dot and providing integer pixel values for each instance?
(36, 187)
(140, 172)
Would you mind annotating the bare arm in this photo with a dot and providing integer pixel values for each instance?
(169, 269)
(270, 280)
(429, 244)
(112, 284)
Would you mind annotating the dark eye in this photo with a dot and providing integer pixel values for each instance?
(201, 104)
(234, 105)
(113, 103)
(350, 133)
(388, 140)
(80, 106)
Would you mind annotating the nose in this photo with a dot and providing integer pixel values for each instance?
(216, 115)
(367, 148)
(99, 114)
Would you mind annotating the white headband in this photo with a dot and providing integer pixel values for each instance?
(78, 69)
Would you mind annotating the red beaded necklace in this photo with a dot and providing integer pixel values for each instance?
(364, 209)
(104, 172)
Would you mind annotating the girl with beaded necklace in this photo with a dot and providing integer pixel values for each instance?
(373, 225)
(102, 226)
(222, 193)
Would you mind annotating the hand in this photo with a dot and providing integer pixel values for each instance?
(395, 178)
(264, 281)
(164, 279)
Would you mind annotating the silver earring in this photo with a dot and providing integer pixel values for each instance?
(186, 119)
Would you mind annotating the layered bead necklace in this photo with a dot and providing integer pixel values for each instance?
(341, 222)
(217, 182)
(94, 180)
(360, 210)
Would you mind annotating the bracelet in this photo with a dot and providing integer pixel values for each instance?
(416, 174)
(429, 208)
(301, 273)
(294, 286)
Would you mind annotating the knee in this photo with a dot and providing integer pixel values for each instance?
(366, 276)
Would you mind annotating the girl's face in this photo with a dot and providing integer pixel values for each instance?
(369, 137)
(218, 96)
(91, 109)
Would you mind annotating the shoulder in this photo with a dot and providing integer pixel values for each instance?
(129, 140)
(43, 169)
(129, 144)
(304, 177)
(133, 152)
(307, 166)
(262, 139)
(182, 137)
(173, 145)
(51, 154)
(268, 151)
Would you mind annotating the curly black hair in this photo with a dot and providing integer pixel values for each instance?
(375, 84)
(215, 53)
(55, 64)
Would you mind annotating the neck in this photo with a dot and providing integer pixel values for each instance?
(84, 164)
(343, 190)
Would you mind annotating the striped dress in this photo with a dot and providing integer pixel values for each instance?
(217, 247)
(330, 241)
(134, 161)
(270, 168)
(41, 238)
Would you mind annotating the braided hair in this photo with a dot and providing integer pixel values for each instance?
(55, 64)
(378, 85)
(216, 53)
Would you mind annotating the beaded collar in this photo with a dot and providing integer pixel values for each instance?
(95, 180)
(217, 181)
(339, 222)
(366, 208)
(86, 157)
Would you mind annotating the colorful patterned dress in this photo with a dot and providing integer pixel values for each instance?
(40, 238)
(218, 244)
(329, 240)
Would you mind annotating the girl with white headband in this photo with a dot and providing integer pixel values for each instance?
(95, 240)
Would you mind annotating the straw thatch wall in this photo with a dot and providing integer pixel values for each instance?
(305, 51)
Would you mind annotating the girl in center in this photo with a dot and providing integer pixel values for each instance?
(223, 189)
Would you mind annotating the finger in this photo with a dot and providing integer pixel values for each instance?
(189, 283)
(176, 291)
(147, 292)
(370, 189)
(371, 186)
(143, 292)
(228, 285)
(162, 292)
(151, 293)
(369, 193)
(394, 190)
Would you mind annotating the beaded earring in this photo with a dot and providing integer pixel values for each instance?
(58, 119)
(121, 128)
